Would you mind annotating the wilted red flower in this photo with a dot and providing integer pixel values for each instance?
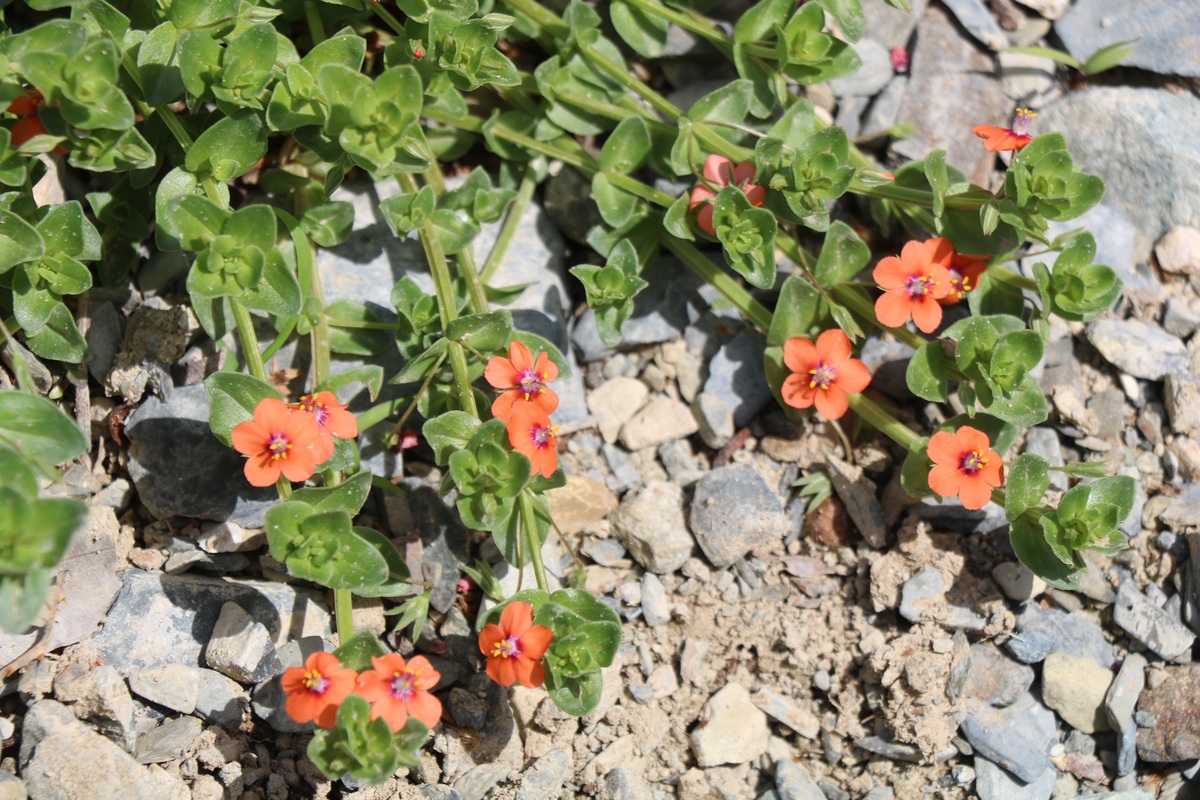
(397, 690)
(964, 465)
(533, 435)
(915, 282)
(964, 276)
(315, 690)
(515, 647)
(332, 420)
(1013, 138)
(823, 374)
(719, 172)
(523, 380)
(899, 58)
(277, 440)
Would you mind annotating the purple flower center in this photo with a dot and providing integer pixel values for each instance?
(531, 383)
(403, 685)
(972, 462)
(278, 444)
(507, 648)
(823, 376)
(315, 682)
(542, 434)
(920, 285)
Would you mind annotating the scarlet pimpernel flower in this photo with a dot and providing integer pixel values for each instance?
(332, 420)
(964, 276)
(515, 647)
(1013, 138)
(315, 690)
(824, 373)
(399, 690)
(915, 282)
(278, 441)
(533, 435)
(30, 124)
(523, 380)
(719, 172)
(965, 465)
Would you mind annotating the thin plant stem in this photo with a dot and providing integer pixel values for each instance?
(516, 210)
(247, 338)
(343, 614)
(734, 292)
(529, 524)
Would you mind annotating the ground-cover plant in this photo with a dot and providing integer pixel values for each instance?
(167, 106)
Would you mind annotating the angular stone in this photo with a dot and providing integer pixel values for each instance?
(1178, 252)
(661, 420)
(170, 741)
(1182, 394)
(172, 685)
(241, 648)
(220, 700)
(582, 502)
(656, 608)
(1017, 581)
(994, 678)
(1123, 694)
(163, 619)
(1175, 704)
(979, 22)
(1018, 737)
(793, 783)
(732, 729)
(1075, 688)
(546, 778)
(858, 494)
(871, 77)
(714, 419)
(1162, 35)
(734, 512)
(1138, 348)
(99, 697)
(444, 539)
(1152, 626)
(1041, 631)
(788, 711)
(650, 523)
(615, 402)
(994, 783)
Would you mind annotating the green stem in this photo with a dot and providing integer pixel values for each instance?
(512, 222)
(316, 28)
(247, 338)
(861, 306)
(529, 526)
(476, 299)
(702, 28)
(878, 417)
(386, 16)
(343, 614)
(753, 310)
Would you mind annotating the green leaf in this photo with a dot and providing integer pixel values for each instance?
(939, 181)
(1027, 481)
(617, 206)
(848, 15)
(730, 103)
(19, 241)
(348, 334)
(449, 432)
(796, 312)
(1025, 405)
(197, 220)
(1107, 57)
(328, 224)
(645, 33)
(202, 13)
(350, 495)
(322, 547)
(926, 375)
(59, 338)
(168, 211)
(1119, 491)
(232, 398)
(1047, 52)
(158, 65)
(576, 696)
(1029, 543)
(485, 333)
(39, 429)
(761, 18)
(358, 650)
(229, 148)
(843, 255)
(278, 292)
(914, 473)
(21, 598)
(369, 375)
(397, 582)
(417, 368)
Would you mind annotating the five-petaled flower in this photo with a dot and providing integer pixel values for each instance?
(915, 282)
(533, 435)
(1013, 138)
(399, 690)
(964, 276)
(278, 440)
(824, 374)
(332, 420)
(515, 647)
(523, 381)
(720, 172)
(965, 465)
(315, 690)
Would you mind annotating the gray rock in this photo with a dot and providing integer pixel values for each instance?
(605, 552)
(268, 698)
(885, 109)
(1152, 626)
(99, 697)
(714, 418)
(1075, 688)
(899, 751)
(478, 782)
(951, 516)
(1160, 123)
(241, 648)
(1138, 348)
(1182, 395)
(615, 402)
(103, 339)
(889, 25)
(650, 523)
(1123, 694)
(1181, 317)
(1017, 581)
(871, 77)
(1108, 406)
(677, 457)
(994, 678)
(180, 468)
(625, 476)
(1163, 33)
(172, 685)
(793, 783)
(857, 492)
(736, 375)
(1127, 748)
(656, 608)
(1174, 702)
(1043, 441)
(163, 619)
(12, 787)
(1017, 737)
(735, 511)
(1178, 252)
(624, 783)
(569, 204)
(1041, 631)
(953, 77)
(468, 709)
(1026, 78)
(170, 741)
(445, 545)
(220, 700)
(994, 783)
(979, 22)
(732, 730)
(661, 420)
(544, 781)
(788, 711)
(62, 758)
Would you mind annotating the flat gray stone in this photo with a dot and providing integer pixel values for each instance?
(170, 741)
(220, 700)
(656, 608)
(544, 781)
(793, 783)
(1018, 737)
(979, 22)
(714, 419)
(1075, 687)
(871, 77)
(1042, 631)
(1117, 242)
(857, 492)
(174, 686)
(1122, 697)
(1164, 33)
(732, 729)
(995, 678)
(735, 511)
(241, 647)
(99, 697)
(992, 782)
(1158, 630)
(651, 525)
(164, 619)
(1138, 348)
(736, 375)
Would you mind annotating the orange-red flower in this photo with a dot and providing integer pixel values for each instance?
(824, 373)
(27, 103)
(315, 690)
(277, 440)
(915, 282)
(1013, 138)
(523, 380)
(332, 420)
(397, 690)
(533, 435)
(30, 123)
(964, 276)
(515, 647)
(965, 465)
(719, 172)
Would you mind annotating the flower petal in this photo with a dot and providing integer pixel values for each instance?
(833, 346)
(516, 618)
(799, 354)
(939, 250)
(501, 373)
(249, 437)
(914, 256)
(426, 708)
(944, 448)
(894, 308)
(502, 408)
(831, 403)
(535, 641)
(926, 313)
(520, 356)
(718, 169)
(757, 195)
(890, 273)
(372, 685)
(701, 195)
(974, 492)
(545, 368)
(945, 479)
(299, 465)
(529, 672)
(502, 670)
(261, 471)
(743, 173)
(970, 438)
(391, 711)
(796, 391)
(491, 636)
(704, 218)
(853, 376)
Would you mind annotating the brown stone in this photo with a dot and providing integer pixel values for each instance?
(580, 503)
(1175, 704)
(830, 525)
